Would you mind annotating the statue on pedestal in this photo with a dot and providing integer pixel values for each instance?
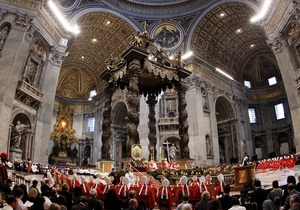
(173, 153)
(17, 133)
(209, 150)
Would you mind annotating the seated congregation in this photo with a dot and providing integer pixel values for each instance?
(98, 192)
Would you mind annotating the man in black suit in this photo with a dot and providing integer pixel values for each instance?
(259, 195)
(93, 202)
(6, 188)
(82, 205)
(45, 186)
(225, 200)
(113, 174)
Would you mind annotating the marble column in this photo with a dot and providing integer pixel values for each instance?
(152, 126)
(133, 101)
(213, 123)
(183, 124)
(227, 148)
(289, 73)
(106, 132)
(97, 143)
(13, 56)
(267, 127)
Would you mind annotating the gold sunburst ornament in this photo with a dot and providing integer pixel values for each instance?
(63, 134)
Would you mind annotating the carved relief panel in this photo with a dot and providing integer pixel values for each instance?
(35, 63)
(170, 104)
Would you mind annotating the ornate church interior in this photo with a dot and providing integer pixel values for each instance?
(83, 82)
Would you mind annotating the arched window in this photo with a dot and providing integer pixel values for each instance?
(92, 94)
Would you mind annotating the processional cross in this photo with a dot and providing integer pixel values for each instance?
(168, 148)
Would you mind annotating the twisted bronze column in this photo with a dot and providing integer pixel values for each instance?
(182, 119)
(151, 124)
(133, 101)
(106, 132)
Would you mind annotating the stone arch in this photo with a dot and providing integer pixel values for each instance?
(18, 111)
(227, 130)
(223, 103)
(3, 25)
(76, 15)
(119, 113)
(258, 146)
(86, 155)
(119, 132)
(283, 140)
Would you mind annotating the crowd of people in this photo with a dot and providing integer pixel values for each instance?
(259, 199)
(66, 193)
(64, 189)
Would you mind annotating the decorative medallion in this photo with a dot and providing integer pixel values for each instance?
(168, 36)
(136, 152)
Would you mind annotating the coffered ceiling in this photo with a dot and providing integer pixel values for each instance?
(102, 34)
(224, 37)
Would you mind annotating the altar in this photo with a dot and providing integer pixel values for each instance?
(57, 160)
(242, 174)
(64, 150)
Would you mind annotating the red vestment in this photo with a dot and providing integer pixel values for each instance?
(185, 190)
(162, 199)
(106, 188)
(218, 189)
(195, 183)
(199, 191)
(121, 195)
(3, 174)
(145, 191)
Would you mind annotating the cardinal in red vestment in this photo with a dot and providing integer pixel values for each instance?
(165, 196)
(145, 191)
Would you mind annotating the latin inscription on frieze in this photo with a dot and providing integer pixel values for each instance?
(278, 16)
(49, 28)
(25, 3)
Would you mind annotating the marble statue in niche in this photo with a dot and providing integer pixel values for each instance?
(171, 106)
(209, 150)
(30, 71)
(35, 63)
(17, 133)
(173, 153)
(293, 33)
(3, 36)
(40, 50)
(204, 96)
